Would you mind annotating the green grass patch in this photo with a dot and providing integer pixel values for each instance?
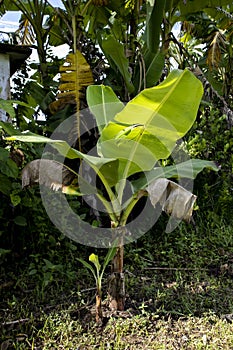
(179, 295)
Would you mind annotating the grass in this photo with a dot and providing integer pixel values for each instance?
(59, 330)
(179, 296)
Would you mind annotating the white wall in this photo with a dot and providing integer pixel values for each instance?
(4, 82)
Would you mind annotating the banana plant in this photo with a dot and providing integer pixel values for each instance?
(32, 29)
(98, 276)
(134, 141)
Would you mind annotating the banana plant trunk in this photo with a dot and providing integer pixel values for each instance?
(99, 312)
(116, 286)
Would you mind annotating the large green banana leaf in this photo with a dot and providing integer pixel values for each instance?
(149, 72)
(154, 66)
(155, 15)
(147, 129)
(103, 103)
(114, 50)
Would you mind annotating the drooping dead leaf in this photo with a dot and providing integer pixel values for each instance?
(46, 172)
(17, 156)
(174, 199)
(25, 33)
(76, 74)
(215, 50)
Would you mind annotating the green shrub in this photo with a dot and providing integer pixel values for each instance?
(212, 139)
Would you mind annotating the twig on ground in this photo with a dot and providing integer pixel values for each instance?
(175, 268)
(11, 323)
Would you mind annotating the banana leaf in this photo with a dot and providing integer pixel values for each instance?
(174, 199)
(103, 103)
(54, 175)
(115, 51)
(106, 168)
(75, 76)
(147, 129)
(188, 169)
(154, 19)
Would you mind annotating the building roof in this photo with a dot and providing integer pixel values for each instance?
(18, 55)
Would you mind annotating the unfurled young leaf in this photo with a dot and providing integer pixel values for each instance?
(95, 260)
(174, 199)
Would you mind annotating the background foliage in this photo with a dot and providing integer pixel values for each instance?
(129, 45)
